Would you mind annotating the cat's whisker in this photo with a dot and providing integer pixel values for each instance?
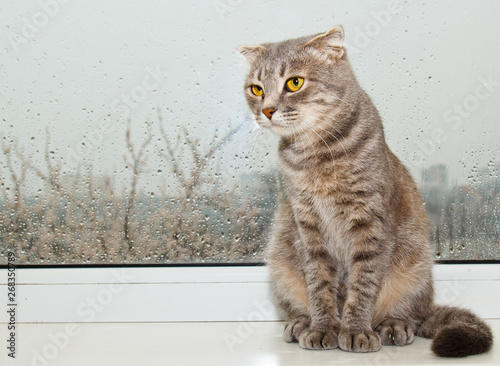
(293, 125)
(342, 100)
(293, 132)
(341, 144)
(302, 134)
(326, 144)
(259, 131)
(243, 137)
(335, 137)
(310, 143)
(340, 133)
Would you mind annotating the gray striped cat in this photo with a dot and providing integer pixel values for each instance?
(349, 254)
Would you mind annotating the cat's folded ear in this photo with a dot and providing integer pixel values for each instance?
(251, 52)
(330, 43)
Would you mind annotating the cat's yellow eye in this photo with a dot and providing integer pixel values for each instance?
(294, 84)
(256, 90)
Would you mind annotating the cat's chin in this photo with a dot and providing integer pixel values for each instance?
(278, 129)
(281, 130)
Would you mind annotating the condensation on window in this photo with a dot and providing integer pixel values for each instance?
(125, 135)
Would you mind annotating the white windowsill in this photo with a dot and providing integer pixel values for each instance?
(198, 315)
(205, 343)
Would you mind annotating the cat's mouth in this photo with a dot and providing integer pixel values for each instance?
(282, 123)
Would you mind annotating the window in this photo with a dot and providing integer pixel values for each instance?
(126, 138)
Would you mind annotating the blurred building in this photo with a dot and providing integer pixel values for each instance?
(435, 187)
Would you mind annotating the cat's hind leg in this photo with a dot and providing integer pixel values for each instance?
(396, 332)
(291, 292)
(295, 327)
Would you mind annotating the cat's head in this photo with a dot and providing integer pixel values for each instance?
(299, 85)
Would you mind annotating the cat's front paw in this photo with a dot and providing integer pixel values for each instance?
(318, 339)
(359, 341)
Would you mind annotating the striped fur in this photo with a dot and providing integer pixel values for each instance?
(349, 255)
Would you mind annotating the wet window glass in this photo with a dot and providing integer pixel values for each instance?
(126, 138)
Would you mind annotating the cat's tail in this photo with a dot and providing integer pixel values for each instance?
(456, 332)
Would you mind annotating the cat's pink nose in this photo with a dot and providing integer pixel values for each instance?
(268, 112)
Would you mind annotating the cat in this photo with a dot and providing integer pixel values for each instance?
(349, 253)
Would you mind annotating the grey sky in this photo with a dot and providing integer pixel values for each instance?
(81, 68)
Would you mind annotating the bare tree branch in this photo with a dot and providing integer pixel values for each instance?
(137, 163)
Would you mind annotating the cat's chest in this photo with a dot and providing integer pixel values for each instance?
(322, 199)
(333, 225)
(323, 190)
